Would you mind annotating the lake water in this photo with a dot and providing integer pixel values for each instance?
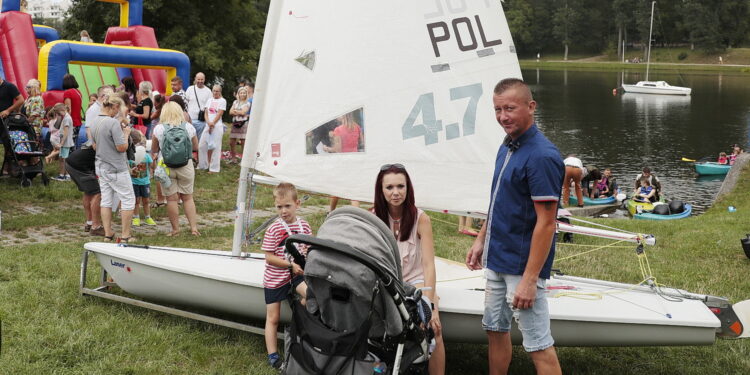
(578, 112)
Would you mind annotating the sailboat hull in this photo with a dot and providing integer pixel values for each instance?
(217, 282)
(649, 88)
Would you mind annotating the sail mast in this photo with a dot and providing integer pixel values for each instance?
(650, 29)
(256, 118)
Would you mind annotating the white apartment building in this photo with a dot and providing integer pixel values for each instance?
(51, 9)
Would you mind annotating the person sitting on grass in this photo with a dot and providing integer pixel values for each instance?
(281, 273)
(646, 192)
(141, 178)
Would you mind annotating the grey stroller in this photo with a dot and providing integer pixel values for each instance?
(359, 317)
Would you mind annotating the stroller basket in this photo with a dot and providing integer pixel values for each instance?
(358, 312)
(24, 157)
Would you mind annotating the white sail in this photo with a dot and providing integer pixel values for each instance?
(416, 77)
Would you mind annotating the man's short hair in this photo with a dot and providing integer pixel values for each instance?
(177, 79)
(513, 83)
(100, 91)
(646, 170)
(285, 189)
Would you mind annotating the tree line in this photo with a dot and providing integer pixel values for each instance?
(603, 26)
(223, 38)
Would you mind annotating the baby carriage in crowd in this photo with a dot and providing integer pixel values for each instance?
(24, 157)
(359, 317)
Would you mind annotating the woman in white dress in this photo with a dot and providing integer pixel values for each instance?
(209, 147)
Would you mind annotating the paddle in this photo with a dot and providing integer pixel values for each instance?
(688, 160)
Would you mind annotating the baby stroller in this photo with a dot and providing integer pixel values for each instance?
(23, 153)
(359, 317)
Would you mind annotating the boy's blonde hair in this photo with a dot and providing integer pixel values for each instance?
(284, 190)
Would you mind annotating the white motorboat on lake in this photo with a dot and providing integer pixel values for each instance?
(656, 87)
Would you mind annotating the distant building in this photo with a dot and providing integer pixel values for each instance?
(48, 9)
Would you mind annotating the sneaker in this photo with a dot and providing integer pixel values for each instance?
(59, 178)
(97, 231)
(149, 221)
(136, 222)
(67, 178)
(274, 360)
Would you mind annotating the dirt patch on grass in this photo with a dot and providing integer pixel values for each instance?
(63, 233)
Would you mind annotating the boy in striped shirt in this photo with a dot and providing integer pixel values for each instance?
(281, 272)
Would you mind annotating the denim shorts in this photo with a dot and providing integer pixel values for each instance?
(141, 191)
(281, 293)
(533, 323)
(64, 152)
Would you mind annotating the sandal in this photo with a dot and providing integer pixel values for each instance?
(87, 228)
(109, 238)
(126, 240)
(158, 204)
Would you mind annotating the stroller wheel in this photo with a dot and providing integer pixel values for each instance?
(25, 181)
(45, 179)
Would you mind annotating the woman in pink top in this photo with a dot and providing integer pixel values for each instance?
(348, 136)
(394, 204)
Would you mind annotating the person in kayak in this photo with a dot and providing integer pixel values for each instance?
(723, 158)
(653, 181)
(645, 192)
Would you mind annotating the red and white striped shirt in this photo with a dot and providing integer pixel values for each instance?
(273, 242)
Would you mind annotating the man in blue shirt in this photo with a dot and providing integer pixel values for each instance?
(516, 243)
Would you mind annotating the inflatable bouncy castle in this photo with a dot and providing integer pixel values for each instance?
(33, 51)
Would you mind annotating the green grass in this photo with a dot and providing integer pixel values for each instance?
(736, 60)
(48, 328)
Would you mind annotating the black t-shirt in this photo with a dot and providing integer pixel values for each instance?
(139, 110)
(8, 92)
(82, 159)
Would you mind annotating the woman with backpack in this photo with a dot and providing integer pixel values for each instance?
(176, 139)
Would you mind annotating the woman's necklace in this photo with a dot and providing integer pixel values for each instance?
(396, 226)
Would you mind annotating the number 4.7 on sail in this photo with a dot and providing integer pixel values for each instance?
(431, 126)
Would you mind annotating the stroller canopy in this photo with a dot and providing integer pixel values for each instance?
(365, 233)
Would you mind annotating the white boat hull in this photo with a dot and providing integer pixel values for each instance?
(659, 90)
(215, 281)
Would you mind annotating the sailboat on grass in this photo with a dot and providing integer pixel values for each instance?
(417, 77)
(654, 87)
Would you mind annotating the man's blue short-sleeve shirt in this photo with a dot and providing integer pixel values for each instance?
(532, 171)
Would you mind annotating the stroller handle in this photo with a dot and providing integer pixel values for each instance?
(346, 250)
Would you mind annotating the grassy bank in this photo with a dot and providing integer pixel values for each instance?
(736, 60)
(49, 329)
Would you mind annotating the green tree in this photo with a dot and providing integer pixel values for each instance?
(702, 25)
(564, 20)
(622, 11)
(222, 38)
(520, 17)
(733, 18)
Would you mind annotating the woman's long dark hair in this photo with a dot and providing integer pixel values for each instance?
(409, 216)
(129, 84)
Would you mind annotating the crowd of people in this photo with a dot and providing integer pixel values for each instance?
(114, 161)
